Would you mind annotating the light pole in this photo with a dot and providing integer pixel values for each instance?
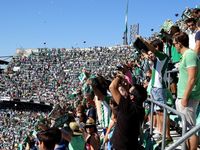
(125, 36)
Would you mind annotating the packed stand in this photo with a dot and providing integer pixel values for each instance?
(108, 109)
(16, 125)
(50, 75)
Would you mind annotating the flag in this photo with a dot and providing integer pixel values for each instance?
(61, 120)
(55, 113)
(82, 77)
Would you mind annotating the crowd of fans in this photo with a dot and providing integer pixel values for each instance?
(104, 89)
(15, 125)
(50, 75)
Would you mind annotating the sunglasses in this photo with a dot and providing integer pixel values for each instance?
(79, 116)
(89, 126)
(191, 25)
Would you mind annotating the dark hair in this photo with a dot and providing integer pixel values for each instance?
(101, 84)
(139, 93)
(189, 20)
(81, 108)
(182, 38)
(30, 141)
(195, 13)
(158, 43)
(174, 29)
(198, 23)
(50, 137)
(196, 10)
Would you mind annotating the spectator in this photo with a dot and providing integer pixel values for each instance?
(159, 86)
(197, 39)
(49, 138)
(188, 84)
(175, 58)
(77, 141)
(130, 115)
(196, 13)
(91, 136)
(191, 31)
(91, 111)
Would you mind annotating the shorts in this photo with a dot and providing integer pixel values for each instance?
(174, 77)
(189, 112)
(159, 95)
(198, 118)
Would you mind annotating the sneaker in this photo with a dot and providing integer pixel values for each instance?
(156, 131)
(148, 123)
(157, 136)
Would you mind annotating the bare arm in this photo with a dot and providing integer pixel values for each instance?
(190, 84)
(98, 93)
(111, 125)
(114, 90)
(197, 47)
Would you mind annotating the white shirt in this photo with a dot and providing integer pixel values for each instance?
(191, 35)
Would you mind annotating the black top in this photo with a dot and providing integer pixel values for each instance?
(91, 113)
(197, 36)
(127, 129)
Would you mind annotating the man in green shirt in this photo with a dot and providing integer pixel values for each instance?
(188, 96)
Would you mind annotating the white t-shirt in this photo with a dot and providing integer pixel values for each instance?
(191, 39)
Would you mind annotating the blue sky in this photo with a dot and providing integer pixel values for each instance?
(67, 23)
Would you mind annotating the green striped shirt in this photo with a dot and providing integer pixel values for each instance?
(159, 72)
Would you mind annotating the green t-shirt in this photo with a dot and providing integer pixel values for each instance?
(175, 56)
(189, 59)
(77, 143)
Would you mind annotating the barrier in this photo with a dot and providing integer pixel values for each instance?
(184, 137)
(164, 121)
(169, 75)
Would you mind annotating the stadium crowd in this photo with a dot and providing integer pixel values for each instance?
(45, 75)
(15, 125)
(104, 89)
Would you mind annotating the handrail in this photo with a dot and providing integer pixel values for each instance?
(184, 137)
(173, 70)
(164, 121)
(169, 75)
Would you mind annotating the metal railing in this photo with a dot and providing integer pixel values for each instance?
(165, 107)
(169, 75)
(184, 137)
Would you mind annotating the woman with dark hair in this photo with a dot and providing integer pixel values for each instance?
(130, 115)
(92, 139)
(49, 138)
(100, 87)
